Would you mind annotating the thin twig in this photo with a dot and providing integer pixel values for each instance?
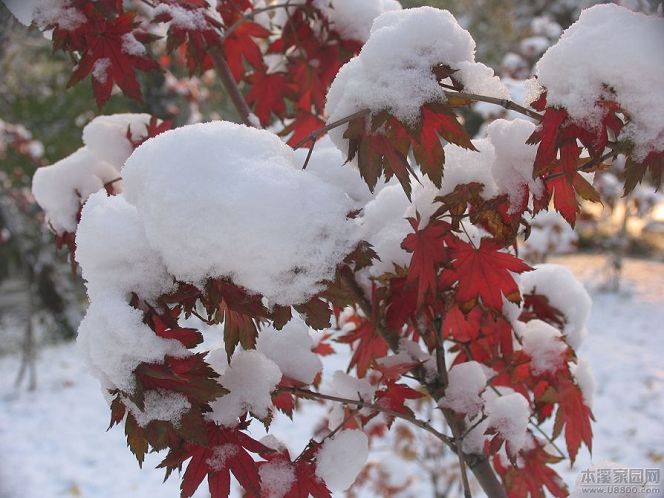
(322, 131)
(507, 104)
(585, 167)
(304, 393)
(230, 85)
(250, 15)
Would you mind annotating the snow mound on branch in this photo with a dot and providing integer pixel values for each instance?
(393, 71)
(341, 458)
(466, 381)
(544, 345)
(224, 200)
(106, 136)
(250, 378)
(512, 168)
(62, 187)
(114, 341)
(509, 414)
(384, 226)
(114, 253)
(463, 166)
(353, 19)
(565, 293)
(290, 348)
(327, 163)
(610, 53)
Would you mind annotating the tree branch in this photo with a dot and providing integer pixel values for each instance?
(231, 87)
(322, 131)
(304, 393)
(478, 463)
(505, 103)
(250, 15)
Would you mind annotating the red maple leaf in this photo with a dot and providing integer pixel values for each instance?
(532, 476)
(438, 120)
(228, 450)
(394, 395)
(301, 127)
(267, 95)
(240, 46)
(573, 416)
(367, 344)
(462, 327)
(427, 246)
(104, 53)
(484, 273)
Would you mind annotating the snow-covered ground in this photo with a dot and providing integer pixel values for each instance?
(53, 442)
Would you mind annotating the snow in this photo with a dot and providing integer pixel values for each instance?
(114, 341)
(114, 253)
(221, 454)
(290, 348)
(565, 293)
(509, 414)
(610, 53)
(62, 187)
(224, 200)
(62, 13)
(189, 19)
(463, 166)
(384, 226)
(466, 382)
(159, 405)
(277, 477)
(543, 343)
(100, 70)
(106, 136)
(512, 168)
(341, 457)
(393, 71)
(131, 46)
(251, 377)
(352, 19)
(347, 387)
(327, 163)
(55, 443)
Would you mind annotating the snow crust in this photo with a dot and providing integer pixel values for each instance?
(564, 293)
(250, 378)
(224, 200)
(353, 19)
(394, 69)
(341, 458)
(610, 53)
(290, 348)
(466, 382)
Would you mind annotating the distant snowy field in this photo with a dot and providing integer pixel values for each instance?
(53, 442)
